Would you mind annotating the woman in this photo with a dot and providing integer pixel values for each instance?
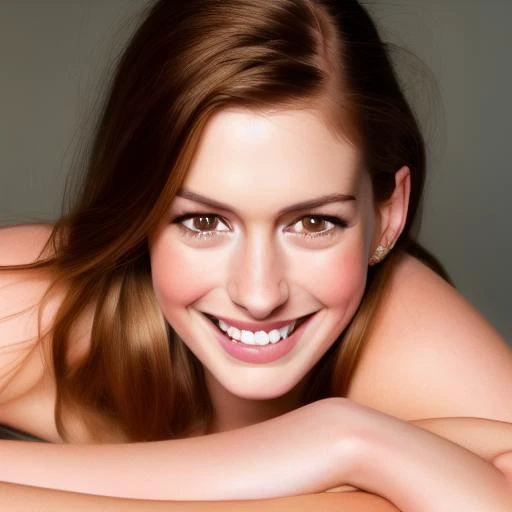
(238, 264)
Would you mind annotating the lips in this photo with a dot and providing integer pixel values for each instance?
(260, 354)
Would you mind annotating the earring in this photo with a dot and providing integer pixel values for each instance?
(380, 253)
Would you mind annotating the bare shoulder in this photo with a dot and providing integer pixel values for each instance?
(432, 354)
(23, 288)
(20, 294)
(22, 244)
(27, 388)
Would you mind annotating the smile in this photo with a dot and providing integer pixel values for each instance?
(258, 350)
(257, 336)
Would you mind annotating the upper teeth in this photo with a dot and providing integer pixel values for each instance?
(258, 337)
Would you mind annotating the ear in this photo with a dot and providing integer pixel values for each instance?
(393, 212)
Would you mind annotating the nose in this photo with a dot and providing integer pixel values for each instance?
(257, 282)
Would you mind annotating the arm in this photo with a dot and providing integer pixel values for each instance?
(235, 465)
(19, 498)
(276, 458)
(490, 440)
(419, 471)
(487, 438)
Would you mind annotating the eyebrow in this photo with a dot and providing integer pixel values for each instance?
(304, 205)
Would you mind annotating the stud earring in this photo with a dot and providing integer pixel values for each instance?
(380, 253)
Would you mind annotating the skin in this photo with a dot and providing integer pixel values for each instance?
(250, 263)
(27, 499)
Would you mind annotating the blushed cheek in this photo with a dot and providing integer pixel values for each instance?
(180, 276)
(341, 287)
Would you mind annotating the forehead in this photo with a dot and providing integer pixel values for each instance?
(245, 157)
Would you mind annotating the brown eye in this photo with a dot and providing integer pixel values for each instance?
(205, 222)
(314, 224)
(202, 224)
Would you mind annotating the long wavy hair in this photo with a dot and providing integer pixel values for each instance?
(186, 61)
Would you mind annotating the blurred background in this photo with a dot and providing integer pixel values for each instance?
(453, 58)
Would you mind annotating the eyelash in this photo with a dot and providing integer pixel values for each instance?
(202, 235)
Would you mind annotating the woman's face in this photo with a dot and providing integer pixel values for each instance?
(274, 223)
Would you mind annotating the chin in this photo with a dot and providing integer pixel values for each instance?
(260, 388)
(259, 395)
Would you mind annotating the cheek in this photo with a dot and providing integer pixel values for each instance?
(338, 279)
(346, 282)
(180, 275)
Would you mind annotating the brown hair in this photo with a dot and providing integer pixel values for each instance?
(186, 61)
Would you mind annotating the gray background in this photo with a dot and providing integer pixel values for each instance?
(454, 61)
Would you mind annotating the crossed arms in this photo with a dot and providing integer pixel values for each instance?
(425, 465)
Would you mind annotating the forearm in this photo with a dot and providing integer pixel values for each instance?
(491, 440)
(420, 471)
(486, 438)
(279, 458)
(276, 458)
(20, 498)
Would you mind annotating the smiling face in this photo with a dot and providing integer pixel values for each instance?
(241, 243)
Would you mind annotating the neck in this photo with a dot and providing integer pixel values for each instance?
(232, 412)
